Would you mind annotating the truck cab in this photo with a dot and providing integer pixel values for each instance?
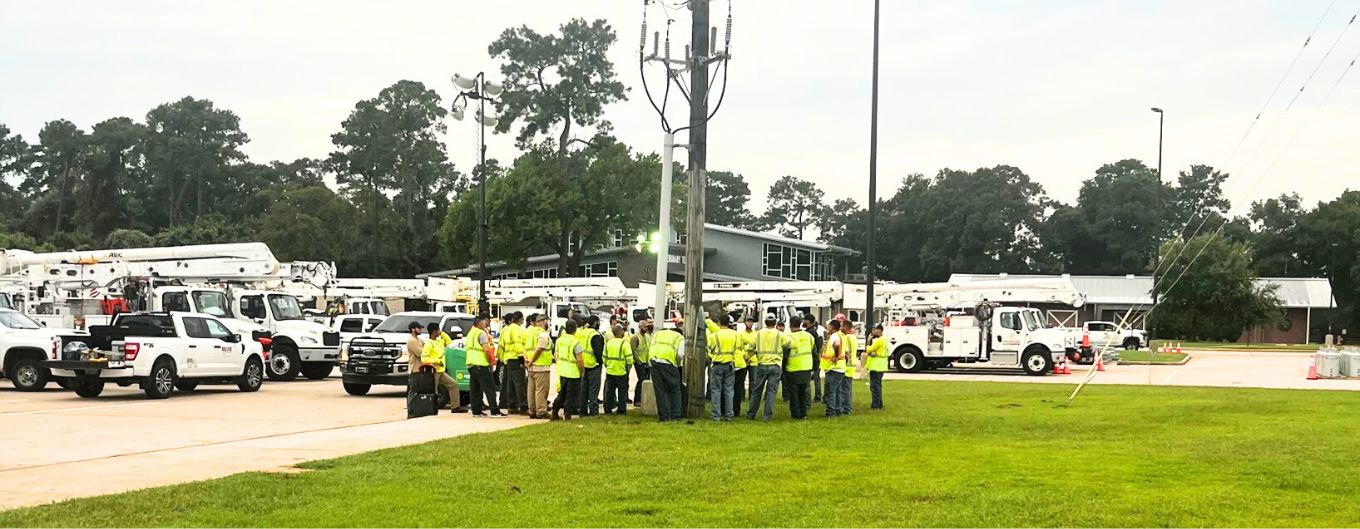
(160, 351)
(380, 357)
(298, 345)
(995, 336)
(24, 345)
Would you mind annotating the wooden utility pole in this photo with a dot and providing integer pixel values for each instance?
(695, 336)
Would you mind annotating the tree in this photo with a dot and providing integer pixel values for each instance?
(1328, 241)
(112, 165)
(390, 145)
(124, 238)
(793, 205)
(207, 229)
(558, 82)
(190, 145)
(1212, 297)
(301, 223)
(980, 221)
(60, 163)
(1120, 217)
(726, 196)
(16, 157)
(846, 224)
(1274, 223)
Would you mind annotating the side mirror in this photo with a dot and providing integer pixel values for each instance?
(258, 321)
(232, 338)
(42, 323)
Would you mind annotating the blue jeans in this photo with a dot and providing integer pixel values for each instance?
(722, 380)
(764, 381)
(832, 397)
(591, 380)
(876, 390)
(846, 397)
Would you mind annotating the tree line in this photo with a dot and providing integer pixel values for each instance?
(387, 202)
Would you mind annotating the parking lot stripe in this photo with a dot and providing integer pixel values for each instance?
(59, 410)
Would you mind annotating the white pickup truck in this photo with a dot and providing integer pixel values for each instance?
(24, 344)
(1101, 333)
(161, 351)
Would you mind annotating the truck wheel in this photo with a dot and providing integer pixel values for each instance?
(186, 385)
(910, 361)
(65, 383)
(161, 383)
(284, 362)
(88, 387)
(356, 389)
(28, 375)
(1037, 361)
(1132, 344)
(317, 370)
(252, 377)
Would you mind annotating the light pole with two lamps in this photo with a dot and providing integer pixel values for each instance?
(482, 90)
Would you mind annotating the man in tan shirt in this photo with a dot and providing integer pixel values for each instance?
(414, 345)
(539, 360)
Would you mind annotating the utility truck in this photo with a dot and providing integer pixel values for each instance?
(559, 299)
(161, 352)
(939, 324)
(24, 345)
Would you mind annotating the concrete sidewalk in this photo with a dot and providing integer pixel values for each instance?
(123, 442)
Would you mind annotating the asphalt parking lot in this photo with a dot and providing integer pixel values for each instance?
(58, 446)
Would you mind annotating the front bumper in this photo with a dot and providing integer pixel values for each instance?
(319, 354)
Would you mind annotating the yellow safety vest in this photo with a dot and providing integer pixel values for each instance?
(566, 356)
(851, 353)
(584, 335)
(746, 347)
(618, 355)
(829, 362)
(512, 342)
(433, 354)
(476, 356)
(722, 346)
(801, 357)
(644, 346)
(666, 346)
(878, 355)
(544, 358)
(769, 347)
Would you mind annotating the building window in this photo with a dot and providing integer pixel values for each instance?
(787, 262)
(605, 269)
(616, 239)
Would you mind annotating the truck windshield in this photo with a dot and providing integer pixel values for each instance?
(5, 302)
(1032, 320)
(211, 302)
(14, 320)
(284, 307)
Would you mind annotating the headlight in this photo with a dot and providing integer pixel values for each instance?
(308, 340)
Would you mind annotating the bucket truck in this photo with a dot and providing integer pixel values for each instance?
(214, 279)
(936, 324)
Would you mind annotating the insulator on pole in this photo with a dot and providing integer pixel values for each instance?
(656, 41)
(713, 37)
(642, 37)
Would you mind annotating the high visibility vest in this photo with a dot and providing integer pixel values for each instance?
(584, 335)
(851, 353)
(545, 358)
(512, 343)
(433, 354)
(878, 355)
(666, 346)
(618, 355)
(829, 362)
(642, 353)
(566, 356)
(801, 357)
(746, 350)
(769, 347)
(722, 346)
(476, 356)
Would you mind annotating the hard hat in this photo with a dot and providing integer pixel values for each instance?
(840, 317)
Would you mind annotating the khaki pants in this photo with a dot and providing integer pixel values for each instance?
(539, 381)
(447, 382)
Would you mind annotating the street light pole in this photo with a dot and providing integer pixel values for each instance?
(482, 90)
(664, 226)
(1331, 298)
(869, 258)
(1157, 252)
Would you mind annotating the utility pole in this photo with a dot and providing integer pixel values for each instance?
(871, 264)
(695, 336)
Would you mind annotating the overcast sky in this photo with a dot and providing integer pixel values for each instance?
(1056, 88)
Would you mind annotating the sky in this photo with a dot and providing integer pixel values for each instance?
(1056, 88)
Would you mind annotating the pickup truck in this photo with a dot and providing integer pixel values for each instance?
(1102, 332)
(161, 352)
(24, 345)
(379, 357)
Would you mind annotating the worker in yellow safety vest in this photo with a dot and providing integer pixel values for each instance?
(799, 368)
(833, 365)
(642, 359)
(851, 344)
(480, 361)
(618, 356)
(723, 348)
(511, 354)
(743, 364)
(665, 352)
(570, 365)
(877, 365)
(432, 354)
(593, 376)
(769, 359)
(540, 360)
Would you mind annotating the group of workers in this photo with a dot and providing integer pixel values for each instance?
(811, 367)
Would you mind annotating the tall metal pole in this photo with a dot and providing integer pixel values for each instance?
(695, 335)
(870, 261)
(664, 225)
(483, 305)
(1157, 252)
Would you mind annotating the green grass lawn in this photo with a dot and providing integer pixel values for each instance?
(944, 454)
(1232, 346)
(1151, 357)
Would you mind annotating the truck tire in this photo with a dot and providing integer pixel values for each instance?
(909, 360)
(317, 370)
(88, 387)
(1132, 344)
(284, 362)
(357, 389)
(161, 382)
(252, 377)
(28, 374)
(1037, 361)
(186, 385)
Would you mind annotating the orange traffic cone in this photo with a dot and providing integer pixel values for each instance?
(1100, 366)
(1312, 370)
(1178, 348)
